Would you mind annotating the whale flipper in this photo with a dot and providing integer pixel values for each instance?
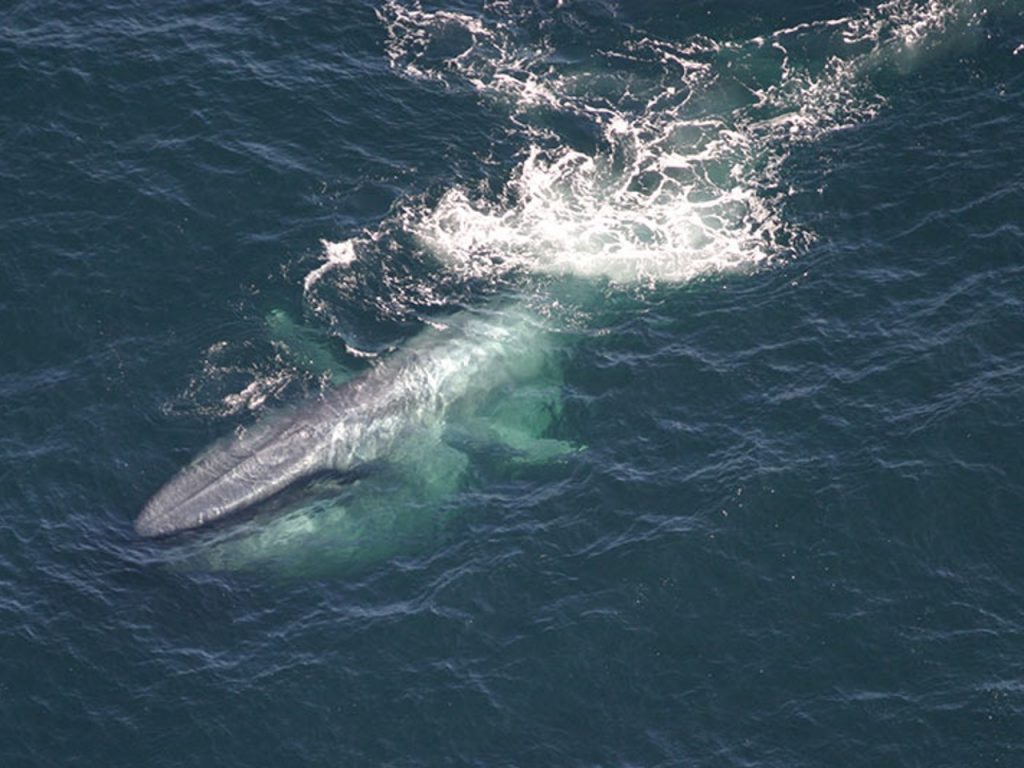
(516, 425)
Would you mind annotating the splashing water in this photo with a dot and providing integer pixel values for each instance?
(683, 178)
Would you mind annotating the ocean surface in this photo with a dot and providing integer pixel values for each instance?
(777, 254)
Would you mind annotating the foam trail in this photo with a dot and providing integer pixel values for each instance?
(685, 180)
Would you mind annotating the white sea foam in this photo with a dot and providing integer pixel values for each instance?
(683, 178)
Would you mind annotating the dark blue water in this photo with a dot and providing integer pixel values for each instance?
(780, 253)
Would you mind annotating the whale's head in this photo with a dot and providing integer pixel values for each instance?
(238, 472)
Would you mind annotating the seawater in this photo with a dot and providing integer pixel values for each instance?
(781, 249)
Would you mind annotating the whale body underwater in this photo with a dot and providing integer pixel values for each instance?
(443, 376)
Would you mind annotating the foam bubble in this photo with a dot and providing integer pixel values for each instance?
(339, 254)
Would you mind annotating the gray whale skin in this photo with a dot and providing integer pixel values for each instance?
(405, 398)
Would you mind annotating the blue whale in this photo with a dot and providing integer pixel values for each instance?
(405, 404)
